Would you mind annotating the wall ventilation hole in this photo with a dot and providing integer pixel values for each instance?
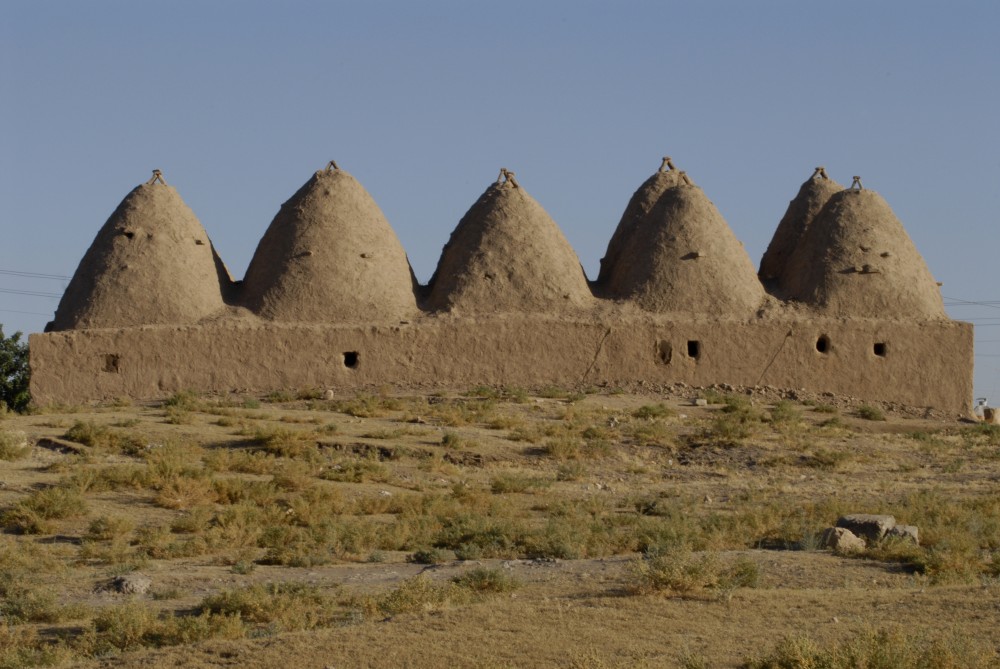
(664, 352)
(111, 361)
(351, 359)
(880, 349)
(694, 349)
(823, 344)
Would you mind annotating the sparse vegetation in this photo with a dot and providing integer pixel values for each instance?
(432, 482)
(888, 648)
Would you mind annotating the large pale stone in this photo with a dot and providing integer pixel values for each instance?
(870, 526)
(842, 540)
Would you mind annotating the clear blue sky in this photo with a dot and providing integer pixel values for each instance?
(239, 102)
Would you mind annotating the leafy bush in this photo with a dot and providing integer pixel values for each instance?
(14, 372)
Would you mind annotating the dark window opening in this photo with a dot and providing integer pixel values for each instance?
(111, 361)
(694, 349)
(880, 349)
(823, 344)
(664, 352)
(350, 359)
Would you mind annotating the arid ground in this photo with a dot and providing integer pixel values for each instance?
(494, 528)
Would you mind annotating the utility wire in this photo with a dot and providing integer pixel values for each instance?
(958, 302)
(18, 311)
(33, 293)
(34, 275)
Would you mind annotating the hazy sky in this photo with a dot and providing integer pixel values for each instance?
(238, 102)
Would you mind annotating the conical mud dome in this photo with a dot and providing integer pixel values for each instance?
(683, 257)
(642, 202)
(781, 257)
(330, 255)
(151, 263)
(861, 263)
(507, 254)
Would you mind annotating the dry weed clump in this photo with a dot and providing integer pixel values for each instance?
(485, 581)
(13, 445)
(869, 412)
(277, 607)
(103, 438)
(38, 512)
(286, 443)
(679, 572)
(23, 647)
(136, 625)
(887, 648)
(27, 594)
(420, 594)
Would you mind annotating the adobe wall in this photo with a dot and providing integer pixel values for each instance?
(924, 363)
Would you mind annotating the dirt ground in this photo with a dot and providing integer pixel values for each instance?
(567, 496)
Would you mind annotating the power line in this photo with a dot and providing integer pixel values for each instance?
(33, 293)
(17, 311)
(34, 275)
(958, 302)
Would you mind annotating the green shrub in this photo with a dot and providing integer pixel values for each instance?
(15, 372)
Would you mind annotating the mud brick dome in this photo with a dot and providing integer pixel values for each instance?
(679, 254)
(151, 263)
(507, 254)
(858, 261)
(783, 261)
(330, 255)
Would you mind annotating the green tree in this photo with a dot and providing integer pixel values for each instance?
(14, 372)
